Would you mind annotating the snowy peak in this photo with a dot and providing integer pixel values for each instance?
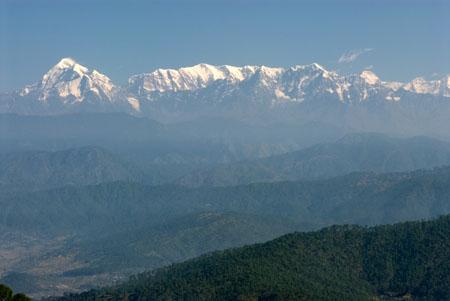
(71, 82)
(314, 67)
(187, 78)
(369, 77)
(422, 86)
(69, 63)
(311, 71)
(302, 81)
(435, 87)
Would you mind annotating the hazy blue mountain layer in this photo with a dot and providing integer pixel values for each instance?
(353, 153)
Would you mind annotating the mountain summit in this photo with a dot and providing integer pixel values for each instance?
(71, 82)
(435, 87)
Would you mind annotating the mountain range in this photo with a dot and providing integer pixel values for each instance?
(363, 198)
(296, 94)
(217, 165)
(356, 152)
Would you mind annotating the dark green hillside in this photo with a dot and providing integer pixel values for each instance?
(361, 152)
(409, 261)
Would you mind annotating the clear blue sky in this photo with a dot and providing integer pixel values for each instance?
(398, 39)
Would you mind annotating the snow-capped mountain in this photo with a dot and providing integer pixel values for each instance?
(66, 87)
(71, 82)
(224, 83)
(433, 87)
(295, 84)
(296, 94)
(188, 78)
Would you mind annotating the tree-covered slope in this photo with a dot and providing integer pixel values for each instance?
(408, 261)
(354, 152)
(41, 170)
(174, 240)
(362, 198)
(85, 262)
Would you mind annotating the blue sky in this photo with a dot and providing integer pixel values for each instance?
(399, 39)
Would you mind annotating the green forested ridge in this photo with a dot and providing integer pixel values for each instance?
(403, 261)
(354, 152)
(362, 198)
(40, 170)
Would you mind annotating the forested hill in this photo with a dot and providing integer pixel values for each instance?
(407, 261)
(360, 198)
(40, 170)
